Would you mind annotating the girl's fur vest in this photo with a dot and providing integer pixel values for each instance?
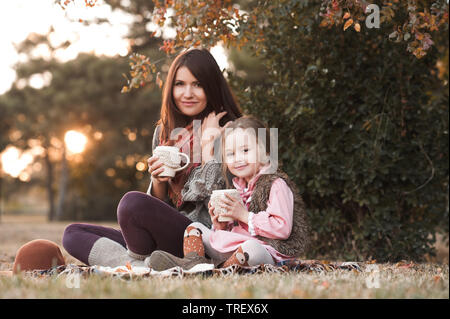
(297, 243)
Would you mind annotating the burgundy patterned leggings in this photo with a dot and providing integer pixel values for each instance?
(146, 224)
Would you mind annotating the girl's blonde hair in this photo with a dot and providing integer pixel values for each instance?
(263, 140)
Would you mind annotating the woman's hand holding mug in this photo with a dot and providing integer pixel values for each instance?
(165, 162)
(156, 167)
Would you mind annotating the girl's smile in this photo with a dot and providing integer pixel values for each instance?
(240, 167)
(241, 153)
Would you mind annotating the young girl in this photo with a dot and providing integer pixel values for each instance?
(269, 226)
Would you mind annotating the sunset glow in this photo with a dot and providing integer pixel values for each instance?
(13, 162)
(75, 141)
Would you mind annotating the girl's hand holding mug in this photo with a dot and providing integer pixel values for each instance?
(217, 225)
(235, 209)
(155, 167)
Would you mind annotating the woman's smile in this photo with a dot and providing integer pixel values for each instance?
(189, 103)
(188, 94)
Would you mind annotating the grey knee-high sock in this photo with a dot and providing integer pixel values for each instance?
(108, 253)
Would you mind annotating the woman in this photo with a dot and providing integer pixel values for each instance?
(195, 89)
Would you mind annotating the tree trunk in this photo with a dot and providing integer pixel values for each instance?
(63, 185)
(50, 192)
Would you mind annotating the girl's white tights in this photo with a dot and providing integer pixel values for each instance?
(249, 253)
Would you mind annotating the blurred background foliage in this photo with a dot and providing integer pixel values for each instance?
(363, 123)
(84, 95)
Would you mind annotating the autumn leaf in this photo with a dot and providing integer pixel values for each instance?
(159, 82)
(357, 27)
(236, 12)
(404, 264)
(128, 265)
(324, 23)
(348, 24)
(346, 15)
(437, 278)
(367, 125)
(119, 270)
(168, 46)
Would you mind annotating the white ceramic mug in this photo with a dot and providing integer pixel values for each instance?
(170, 156)
(216, 198)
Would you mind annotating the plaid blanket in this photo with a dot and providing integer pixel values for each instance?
(205, 270)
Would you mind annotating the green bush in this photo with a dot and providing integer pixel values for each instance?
(363, 130)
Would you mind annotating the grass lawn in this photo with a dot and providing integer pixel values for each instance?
(400, 280)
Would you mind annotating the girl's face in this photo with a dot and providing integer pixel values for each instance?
(241, 153)
(189, 96)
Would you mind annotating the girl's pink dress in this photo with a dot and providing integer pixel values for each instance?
(275, 222)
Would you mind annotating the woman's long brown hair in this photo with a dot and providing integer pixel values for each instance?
(219, 96)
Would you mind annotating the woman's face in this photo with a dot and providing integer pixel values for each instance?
(188, 94)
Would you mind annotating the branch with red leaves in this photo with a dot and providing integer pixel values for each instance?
(416, 30)
(208, 22)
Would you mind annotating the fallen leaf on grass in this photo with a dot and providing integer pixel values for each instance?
(437, 278)
(407, 266)
(325, 284)
(299, 293)
(404, 265)
(245, 294)
(120, 270)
